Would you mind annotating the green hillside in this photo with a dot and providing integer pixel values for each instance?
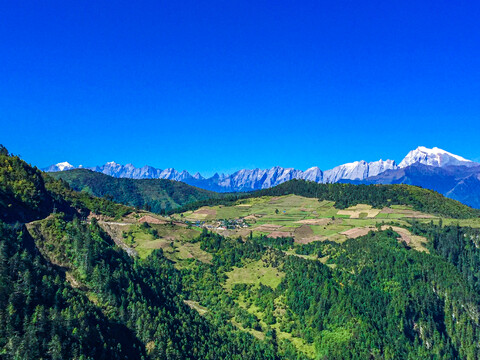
(300, 271)
(67, 291)
(156, 195)
(347, 195)
(27, 194)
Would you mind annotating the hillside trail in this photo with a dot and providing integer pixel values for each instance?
(109, 227)
(113, 230)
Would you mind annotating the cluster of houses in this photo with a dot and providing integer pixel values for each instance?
(222, 224)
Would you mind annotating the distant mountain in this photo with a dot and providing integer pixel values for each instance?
(357, 170)
(242, 180)
(248, 180)
(59, 167)
(437, 169)
(434, 157)
(467, 190)
(461, 183)
(157, 195)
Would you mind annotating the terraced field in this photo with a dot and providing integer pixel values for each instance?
(304, 219)
(154, 232)
(251, 278)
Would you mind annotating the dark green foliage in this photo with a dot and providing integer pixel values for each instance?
(156, 195)
(319, 248)
(223, 199)
(70, 201)
(41, 316)
(459, 246)
(375, 298)
(384, 300)
(203, 283)
(381, 300)
(144, 296)
(22, 191)
(27, 194)
(229, 252)
(280, 243)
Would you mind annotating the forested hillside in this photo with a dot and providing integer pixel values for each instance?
(157, 195)
(27, 194)
(166, 196)
(67, 291)
(370, 297)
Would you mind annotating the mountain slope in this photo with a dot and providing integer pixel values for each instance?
(256, 179)
(242, 180)
(456, 182)
(369, 295)
(27, 194)
(43, 316)
(357, 170)
(433, 157)
(347, 195)
(467, 191)
(157, 195)
(68, 292)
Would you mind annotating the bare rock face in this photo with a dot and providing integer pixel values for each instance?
(313, 174)
(358, 170)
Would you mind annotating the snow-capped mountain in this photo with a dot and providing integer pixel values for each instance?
(245, 179)
(62, 166)
(433, 157)
(460, 183)
(313, 174)
(254, 179)
(357, 170)
(127, 171)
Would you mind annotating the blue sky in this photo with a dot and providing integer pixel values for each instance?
(222, 85)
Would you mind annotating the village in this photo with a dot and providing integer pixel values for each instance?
(223, 224)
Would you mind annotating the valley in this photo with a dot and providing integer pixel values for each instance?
(240, 180)
(435, 169)
(283, 227)
(304, 219)
(298, 271)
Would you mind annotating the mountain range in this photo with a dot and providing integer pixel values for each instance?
(233, 277)
(461, 183)
(436, 169)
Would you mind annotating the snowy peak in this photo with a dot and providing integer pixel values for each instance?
(64, 166)
(198, 176)
(433, 157)
(313, 174)
(358, 170)
(255, 179)
(377, 167)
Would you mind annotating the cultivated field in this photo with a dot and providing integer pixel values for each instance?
(304, 219)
